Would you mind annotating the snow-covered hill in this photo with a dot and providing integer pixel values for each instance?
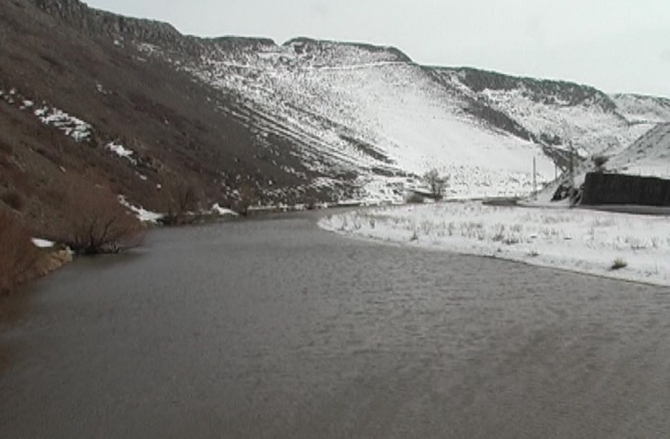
(372, 112)
(642, 109)
(649, 155)
(562, 113)
(365, 121)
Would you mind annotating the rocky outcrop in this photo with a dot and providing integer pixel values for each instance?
(95, 22)
(543, 91)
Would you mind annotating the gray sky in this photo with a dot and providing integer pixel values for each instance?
(615, 45)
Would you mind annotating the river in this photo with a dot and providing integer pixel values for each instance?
(276, 329)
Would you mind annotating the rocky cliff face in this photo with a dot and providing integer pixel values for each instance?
(101, 23)
(541, 91)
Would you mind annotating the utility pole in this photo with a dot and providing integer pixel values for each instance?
(534, 179)
(571, 168)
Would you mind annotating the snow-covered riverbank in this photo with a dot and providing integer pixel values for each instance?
(622, 246)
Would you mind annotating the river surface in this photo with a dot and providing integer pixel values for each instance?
(276, 329)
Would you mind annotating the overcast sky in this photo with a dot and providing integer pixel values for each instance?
(615, 45)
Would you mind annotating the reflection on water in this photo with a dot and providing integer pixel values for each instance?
(277, 329)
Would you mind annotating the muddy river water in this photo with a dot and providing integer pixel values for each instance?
(276, 329)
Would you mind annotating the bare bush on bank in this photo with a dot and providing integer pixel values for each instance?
(97, 222)
(437, 183)
(181, 200)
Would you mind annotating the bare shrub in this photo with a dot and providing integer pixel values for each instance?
(181, 199)
(98, 223)
(436, 183)
(248, 197)
(18, 255)
(499, 234)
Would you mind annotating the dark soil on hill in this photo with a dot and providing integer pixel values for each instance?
(181, 132)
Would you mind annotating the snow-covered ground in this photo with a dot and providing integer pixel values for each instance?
(145, 216)
(622, 246)
(218, 210)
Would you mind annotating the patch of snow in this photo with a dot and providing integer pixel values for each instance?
(101, 89)
(584, 241)
(43, 243)
(121, 151)
(218, 210)
(70, 125)
(142, 214)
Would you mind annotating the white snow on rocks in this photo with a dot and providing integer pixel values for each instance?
(70, 125)
(141, 213)
(218, 210)
(42, 243)
(121, 151)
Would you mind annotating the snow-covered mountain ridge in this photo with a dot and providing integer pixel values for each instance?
(481, 128)
(369, 120)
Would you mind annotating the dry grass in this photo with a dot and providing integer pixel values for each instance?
(18, 255)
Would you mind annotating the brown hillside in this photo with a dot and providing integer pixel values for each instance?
(180, 132)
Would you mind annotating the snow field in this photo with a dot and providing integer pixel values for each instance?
(621, 246)
(356, 96)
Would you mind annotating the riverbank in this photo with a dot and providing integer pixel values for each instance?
(46, 260)
(614, 245)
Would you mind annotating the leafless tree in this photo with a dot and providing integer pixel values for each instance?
(181, 200)
(599, 162)
(436, 183)
(99, 223)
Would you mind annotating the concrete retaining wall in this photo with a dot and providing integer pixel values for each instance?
(602, 188)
